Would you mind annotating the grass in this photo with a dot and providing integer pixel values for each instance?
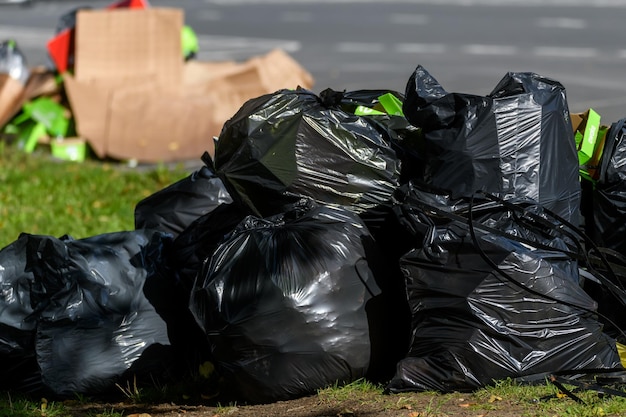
(23, 407)
(43, 196)
(540, 400)
(47, 197)
(504, 398)
(40, 195)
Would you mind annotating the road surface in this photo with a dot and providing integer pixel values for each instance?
(468, 45)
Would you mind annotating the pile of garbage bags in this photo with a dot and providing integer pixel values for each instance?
(426, 241)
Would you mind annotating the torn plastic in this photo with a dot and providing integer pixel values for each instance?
(516, 142)
(175, 207)
(13, 61)
(284, 302)
(497, 300)
(86, 309)
(291, 144)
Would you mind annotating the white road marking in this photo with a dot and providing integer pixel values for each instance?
(408, 19)
(420, 48)
(208, 15)
(360, 47)
(477, 49)
(561, 23)
(218, 43)
(561, 52)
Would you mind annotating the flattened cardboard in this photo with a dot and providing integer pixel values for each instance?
(159, 125)
(232, 84)
(124, 43)
(42, 81)
(197, 73)
(232, 90)
(61, 47)
(89, 102)
(153, 106)
(279, 70)
(11, 92)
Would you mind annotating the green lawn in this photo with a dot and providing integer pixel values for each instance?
(40, 195)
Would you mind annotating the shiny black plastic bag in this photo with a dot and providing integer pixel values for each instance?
(94, 321)
(497, 300)
(18, 321)
(197, 243)
(175, 207)
(291, 144)
(404, 138)
(285, 303)
(606, 221)
(516, 142)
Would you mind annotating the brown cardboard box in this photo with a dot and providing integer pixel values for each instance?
(134, 97)
(232, 84)
(128, 67)
(13, 94)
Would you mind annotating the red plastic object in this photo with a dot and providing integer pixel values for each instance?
(131, 4)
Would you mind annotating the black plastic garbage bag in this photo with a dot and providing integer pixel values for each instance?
(404, 138)
(87, 298)
(605, 222)
(183, 264)
(291, 144)
(197, 243)
(18, 321)
(499, 300)
(604, 208)
(284, 302)
(515, 142)
(175, 207)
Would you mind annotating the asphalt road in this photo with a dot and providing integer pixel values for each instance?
(467, 45)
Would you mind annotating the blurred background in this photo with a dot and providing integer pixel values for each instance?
(467, 45)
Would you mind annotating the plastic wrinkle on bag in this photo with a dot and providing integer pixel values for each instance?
(18, 321)
(197, 243)
(284, 303)
(93, 319)
(175, 207)
(471, 325)
(515, 142)
(281, 147)
(605, 221)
